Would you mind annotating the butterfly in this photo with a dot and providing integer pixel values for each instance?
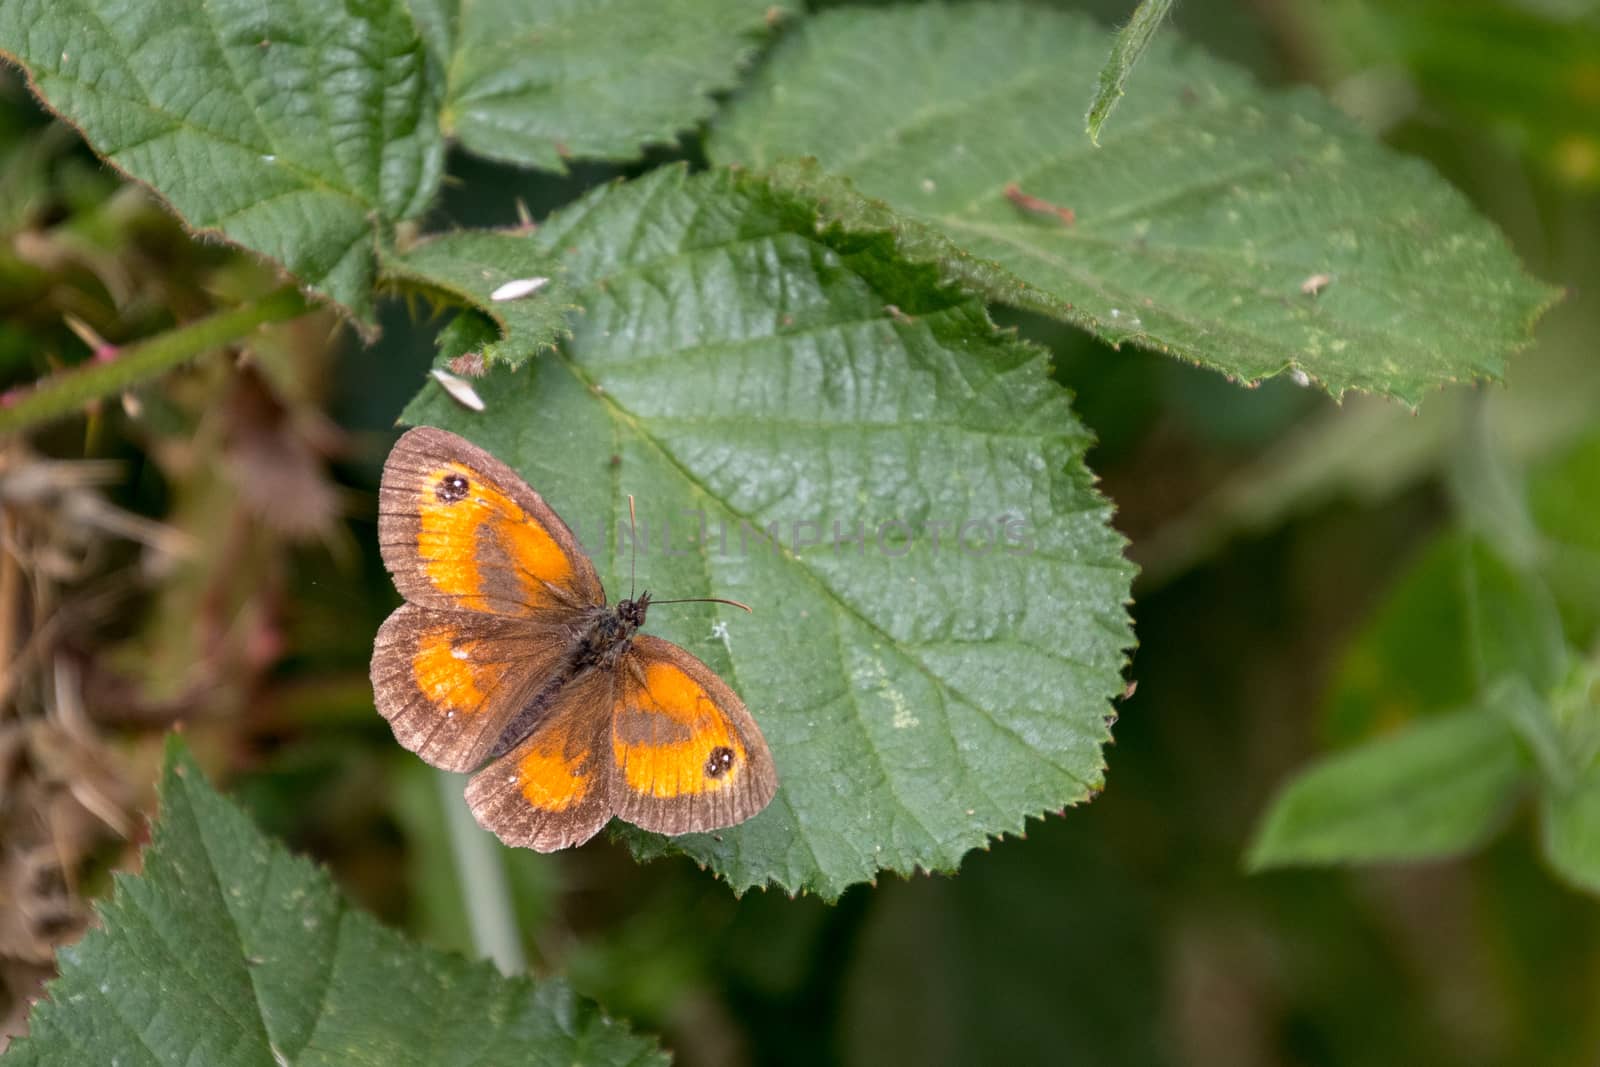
(506, 657)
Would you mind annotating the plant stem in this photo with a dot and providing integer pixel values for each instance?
(67, 392)
(484, 889)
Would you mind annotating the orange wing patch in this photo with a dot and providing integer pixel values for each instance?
(670, 739)
(548, 778)
(478, 545)
(448, 674)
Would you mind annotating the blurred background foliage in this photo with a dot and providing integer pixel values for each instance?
(204, 551)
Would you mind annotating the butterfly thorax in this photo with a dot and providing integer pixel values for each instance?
(607, 633)
(599, 642)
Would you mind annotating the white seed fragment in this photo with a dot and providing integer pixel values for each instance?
(519, 288)
(459, 389)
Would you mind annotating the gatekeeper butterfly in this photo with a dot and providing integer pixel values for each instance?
(507, 654)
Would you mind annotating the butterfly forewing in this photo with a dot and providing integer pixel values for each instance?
(460, 531)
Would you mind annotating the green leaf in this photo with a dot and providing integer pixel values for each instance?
(228, 950)
(1561, 495)
(1435, 789)
(300, 131)
(739, 365)
(1534, 721)
(1131, 43)
(1457, 620)
(1570, 832)
(470, 266)
(1253, 232)
(538, 82)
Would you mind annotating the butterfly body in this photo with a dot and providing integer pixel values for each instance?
(507, 654)
(598, 644)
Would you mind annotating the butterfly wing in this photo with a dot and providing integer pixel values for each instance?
(459, 530)
(449, 682)
(553, 789)
(686, 755)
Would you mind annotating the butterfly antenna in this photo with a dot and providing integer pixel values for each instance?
(705, 600)
(633, 538)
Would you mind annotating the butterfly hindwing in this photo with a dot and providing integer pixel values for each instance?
(553, 789)
(685, 754)
(459, 530)
(450, 681)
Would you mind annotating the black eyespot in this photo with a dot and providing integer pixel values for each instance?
(451, 488)
(720, 760)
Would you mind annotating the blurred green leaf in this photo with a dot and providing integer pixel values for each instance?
(741, 369)
(1434, 789)
(1570, 821)
(302, 132)
(1562, 496)
(1458, 619)
(538, 82)
(1533, 720)
(228, 950)
(1524, 77)
(1131, 42)
(472, 266)
(1248, 231)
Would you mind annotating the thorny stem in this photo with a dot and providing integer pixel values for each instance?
(64, 393)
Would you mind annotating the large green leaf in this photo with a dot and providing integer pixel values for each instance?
(539, 81)
(1250, 231)
(739, 363)
(1434, 789)
(301, 131)
(228, 950)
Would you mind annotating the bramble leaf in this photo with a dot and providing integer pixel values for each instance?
(226, 949)
(301, 131)
(1253, 232)
(754, 377)
(537, 83)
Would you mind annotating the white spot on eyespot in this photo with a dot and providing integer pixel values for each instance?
(460, 390)
(459, 653)
(518, 288)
